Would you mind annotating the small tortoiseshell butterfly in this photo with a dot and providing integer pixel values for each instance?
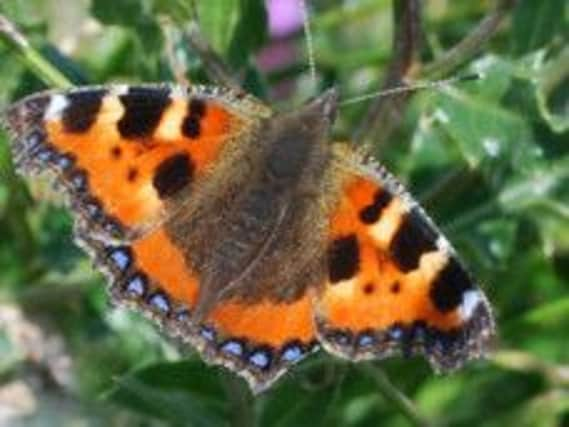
(245, 232)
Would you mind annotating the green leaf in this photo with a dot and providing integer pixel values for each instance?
(545, 410)
(182, 393)
(546, 316)
(553, 92)
(234, 28)
(144, 30)
(218, 21)
(546, 95)
(543, 196)
(495, 240)
(482, 130)
(496, 77)
(179, 11)
(536, 23)
(25, 12)
(250, 33)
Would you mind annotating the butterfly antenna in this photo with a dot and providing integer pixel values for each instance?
(436, 84)
(308, 36)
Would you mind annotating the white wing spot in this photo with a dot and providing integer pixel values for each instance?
(470, 301)
(119, 89)
(56, 106)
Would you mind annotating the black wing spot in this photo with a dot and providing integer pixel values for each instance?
(82, 110)
(369, 288)
(191, 125)
(343, 258)
(371, 213)
(450, 285)
(197, 107)
(132, 174)
(395, 287)
(116, 152)
(173, 174)
(143, 109)
(414, 238)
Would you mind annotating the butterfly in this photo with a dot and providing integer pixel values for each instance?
(246, 232)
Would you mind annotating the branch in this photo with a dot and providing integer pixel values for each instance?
(391, 393)
(240, 399)
(386, 113)
(471, 44)
(31, 57)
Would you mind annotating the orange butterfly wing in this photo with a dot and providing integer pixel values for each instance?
(123, 155)
(123, 152)
(394, 283)
(259, 340)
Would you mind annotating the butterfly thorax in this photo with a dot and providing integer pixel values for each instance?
(265, 209)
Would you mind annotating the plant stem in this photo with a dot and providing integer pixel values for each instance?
(471, 44)
(386, 113)
(33, 59)
(240, 399)
(393, 395)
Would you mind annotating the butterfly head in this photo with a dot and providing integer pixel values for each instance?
(324, 105)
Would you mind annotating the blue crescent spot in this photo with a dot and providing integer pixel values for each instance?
(183, 315)
(93, 210)
(136, 286)
(34, 138)
(207, 333)
(366, 340)
(341, 338)
(121, 258)
(79, 181)
(292, 353)
(45, 155)
(160, 302)
(233, 347)
(260, 358)
(64, 162)
(396, 332)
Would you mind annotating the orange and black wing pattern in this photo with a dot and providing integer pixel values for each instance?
(131, 157)
(122, 152)
(395, 285)
(259, 340)
(124, 156)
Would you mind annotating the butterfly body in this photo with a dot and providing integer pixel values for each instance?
(246, 232)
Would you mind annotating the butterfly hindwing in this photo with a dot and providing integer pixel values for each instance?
(259, 340)
(394, 283)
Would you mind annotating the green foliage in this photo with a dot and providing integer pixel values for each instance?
(489, 159)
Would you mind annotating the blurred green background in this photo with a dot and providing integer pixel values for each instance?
(488, 159)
